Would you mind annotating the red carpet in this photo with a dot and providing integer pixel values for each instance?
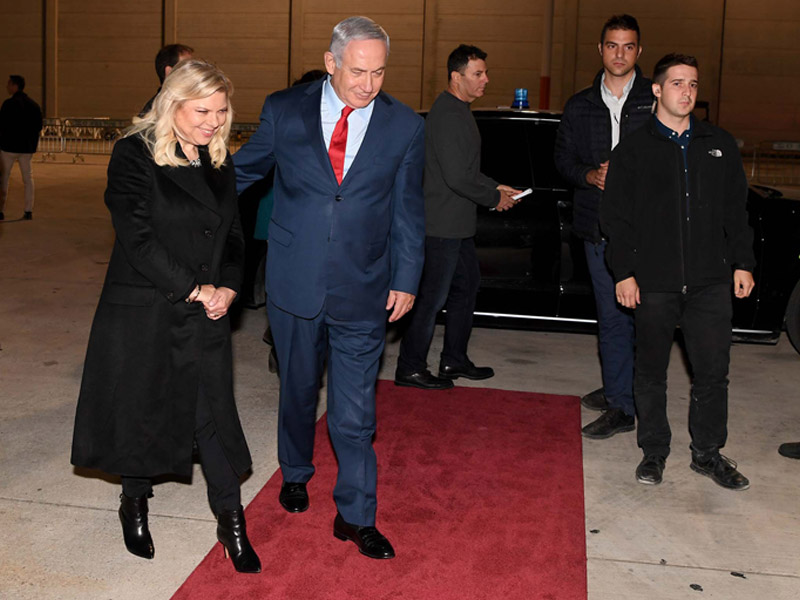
(479, 490)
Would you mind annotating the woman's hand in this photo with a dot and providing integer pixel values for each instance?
(220, 300)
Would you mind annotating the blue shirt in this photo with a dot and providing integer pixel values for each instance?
(683, 141)
(358, 121)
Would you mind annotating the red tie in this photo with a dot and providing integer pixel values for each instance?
(339, 144)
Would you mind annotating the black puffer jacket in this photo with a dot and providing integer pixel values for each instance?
(584, 141)
(652, 234)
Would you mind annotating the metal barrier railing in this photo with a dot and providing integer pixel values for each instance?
(773, 163)
(776, 163)
(80, 137)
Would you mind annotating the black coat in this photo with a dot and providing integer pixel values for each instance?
(20, 124)
(652, 234)
(584, 141)
(149, 351)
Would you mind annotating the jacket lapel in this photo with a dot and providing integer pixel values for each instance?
(375, 137)
(313, 122)
(193, 185)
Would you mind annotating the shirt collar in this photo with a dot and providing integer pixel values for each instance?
(671, 134)
(334, 105)
(625, 91)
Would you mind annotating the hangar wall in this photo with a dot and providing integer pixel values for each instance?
(92, 58)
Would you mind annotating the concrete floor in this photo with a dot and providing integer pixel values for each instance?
(61, 534)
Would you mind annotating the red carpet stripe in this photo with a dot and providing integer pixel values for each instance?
(479, 490)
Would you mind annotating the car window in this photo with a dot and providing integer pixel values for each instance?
(504, 151)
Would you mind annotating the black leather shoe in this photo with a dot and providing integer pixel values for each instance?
(424, 380)
(595, 400)
(611, 422)
(369, 540)
(651, 469)
(232, 534)
(722, 470)
(467, 371)
(790, 449)
(135, 531)
(294, 497)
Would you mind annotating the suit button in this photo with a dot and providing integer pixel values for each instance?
(338, 198)
(170, 295)
(208, 233)
(204, 267)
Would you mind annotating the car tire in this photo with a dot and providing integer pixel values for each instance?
(793, 318)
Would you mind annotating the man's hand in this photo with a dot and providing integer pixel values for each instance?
(628, 293)
(400, 302)
(743, 283)
(597, 177)
(506, 200)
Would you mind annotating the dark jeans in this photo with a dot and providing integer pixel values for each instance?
(704, 316)
(222, 481)
(450, 280)
(615, 332)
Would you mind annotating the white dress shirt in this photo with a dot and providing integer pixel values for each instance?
(615, 105)
(331, 110)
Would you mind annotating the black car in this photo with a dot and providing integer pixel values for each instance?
(533, 268)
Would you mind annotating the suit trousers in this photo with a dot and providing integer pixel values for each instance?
(353, 350)
(7, 159)
(704, 317)
(450, 280)
(224, 492)
(615, 332)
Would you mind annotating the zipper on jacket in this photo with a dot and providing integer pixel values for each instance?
(682, 178)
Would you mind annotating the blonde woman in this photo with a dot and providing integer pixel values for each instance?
(157, 378)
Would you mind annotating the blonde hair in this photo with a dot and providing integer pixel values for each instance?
(191, 79)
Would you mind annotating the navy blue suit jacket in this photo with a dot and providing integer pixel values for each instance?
(345, 245)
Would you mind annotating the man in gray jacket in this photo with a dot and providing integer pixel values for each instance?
(454, 187)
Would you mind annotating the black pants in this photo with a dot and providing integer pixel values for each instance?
(450, 280)
(704, 316)
(223, 483)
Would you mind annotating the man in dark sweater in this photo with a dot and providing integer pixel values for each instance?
(674, 212)
(20, 124)
(595, 120)
(454, 187)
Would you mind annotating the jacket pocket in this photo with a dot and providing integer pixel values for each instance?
(129, 295)
(279, 234)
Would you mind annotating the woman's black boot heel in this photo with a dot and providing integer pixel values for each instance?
(133, 516)
(232, 534)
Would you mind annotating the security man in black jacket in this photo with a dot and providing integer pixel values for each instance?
(595, 119)
(674, 213)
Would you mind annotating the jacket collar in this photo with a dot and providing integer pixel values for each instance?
(640, 84)
(700, 128)
(197, 187)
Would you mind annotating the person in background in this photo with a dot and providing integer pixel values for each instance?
(454, 188)
(678, 237)
(20, 125)
(618, 103)
(166, 59)
(158, 372)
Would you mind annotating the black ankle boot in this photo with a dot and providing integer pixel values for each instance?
(133, 516)
(232, 534)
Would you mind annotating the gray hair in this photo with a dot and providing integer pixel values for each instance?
(355, 28)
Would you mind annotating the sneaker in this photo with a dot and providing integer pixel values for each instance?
(611, 422)
(595, 400)
(790, 449)
(722, 470)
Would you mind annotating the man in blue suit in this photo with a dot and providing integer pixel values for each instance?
(346, 248)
